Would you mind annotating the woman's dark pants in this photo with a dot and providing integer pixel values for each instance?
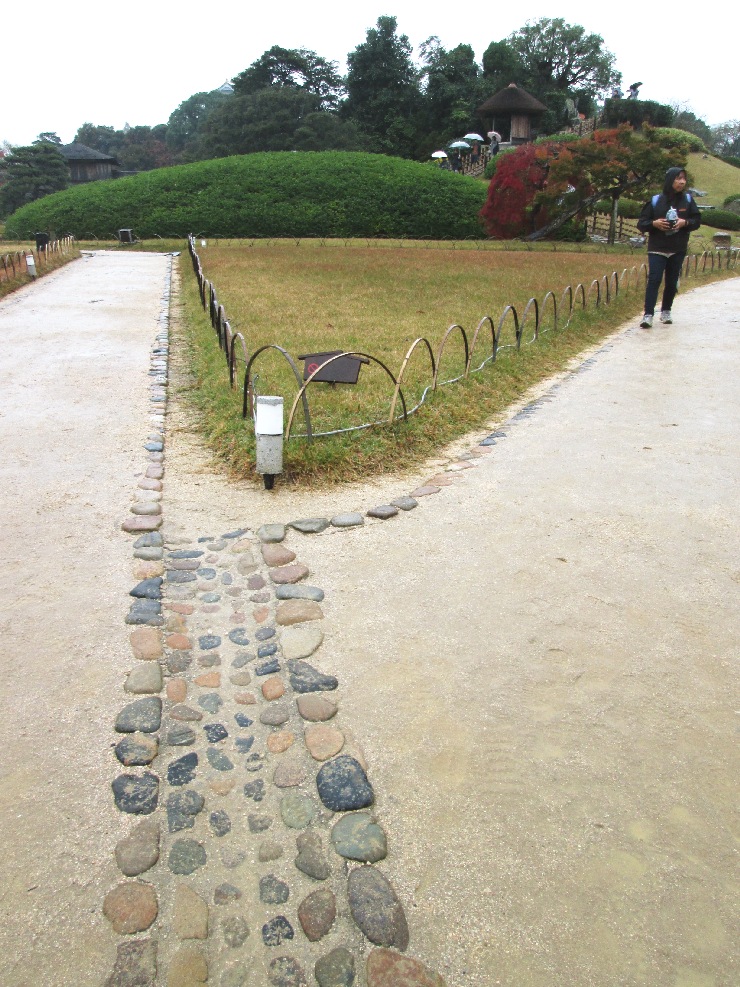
(658, 265)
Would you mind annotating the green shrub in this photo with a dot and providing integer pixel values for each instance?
(636, 112)
(682, 140)
(730, 160)
(629, 208)
(720, 219)
(735, 197)
(490, 169)
(282, 194)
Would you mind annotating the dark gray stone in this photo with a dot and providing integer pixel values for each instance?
(243, 720)
(136, 964)
(286, 972)
(182, 808)
(297, 810)
(349, 520)
(211, 702)
(273, 891)
(150, 539)
(277, 931)
(255, 790)
(242, 659)
(211, 597)
(220, 822)
(405, 503)
(238, 635)
(237, 533)
(311, 858)
(376, 909)
(179, 576)
(218, 760)
(357, 837)
(343, 785)
(268, 667)
(254, 762)
(207, 642)
(305, 678)
(258, 824)
(185, 553)
(179, 735)
(336, 969)
(244, 744)
(182, 771)
(206, 573)
(135, 749)
(215, 732)
(311, 525)
(264, 633)
(271, 533)
(266, 650)
(293, 592)
(148, 589)
(146, 612)
(136, 794)
(178, 662)
(186, 856)
(383, 512)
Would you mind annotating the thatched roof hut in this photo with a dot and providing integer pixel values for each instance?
(516, 107)
(88, 165)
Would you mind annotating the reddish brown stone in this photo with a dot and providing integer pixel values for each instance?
(179, 642)
(388, 969)
(314, 707)
(297, 611)
(273, 688)
(175, 623)
(148, 570)
(210, 608)
(238, 617)
(277, 555)
(245, 698)
(221, 786)
(142, 522)
(280, 741)
(316, 913)
(184, 608)
(208, 680)
(130, 907)
(288, 574)
(322, 741)
(146, 643)
(441, 480)
(261, 614)
(177, 690)
(424, 491)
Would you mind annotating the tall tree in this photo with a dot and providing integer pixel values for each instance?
(562, 57)
(383, 96)
(726, 139)
(450, 83)
(186, 122)
(503, 64)
(28, 173)
(294, 68)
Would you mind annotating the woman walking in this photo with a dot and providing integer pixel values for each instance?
(668, 219)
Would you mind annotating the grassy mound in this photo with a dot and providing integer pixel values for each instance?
(287, 194)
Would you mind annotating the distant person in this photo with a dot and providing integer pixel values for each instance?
(495, 142)
(668, 219)
(475, 153)
(456, 161)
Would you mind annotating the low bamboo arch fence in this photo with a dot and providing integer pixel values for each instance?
(15, 263)
(600, 291)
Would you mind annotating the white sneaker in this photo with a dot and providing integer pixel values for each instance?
(647, 322)
(667, 318)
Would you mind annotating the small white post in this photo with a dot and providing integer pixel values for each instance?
(268, 435)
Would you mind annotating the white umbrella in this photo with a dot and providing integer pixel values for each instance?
(459, 144)
(494, 133)
(439, 154)
(473, 137)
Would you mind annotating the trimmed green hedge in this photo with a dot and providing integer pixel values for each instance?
(282, 194)
(629, 208)
(682, 140)
(720, 219)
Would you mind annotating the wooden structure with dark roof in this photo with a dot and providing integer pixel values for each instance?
(518, 106)
(87, 164)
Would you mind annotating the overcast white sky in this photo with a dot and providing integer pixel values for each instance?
(63, 64)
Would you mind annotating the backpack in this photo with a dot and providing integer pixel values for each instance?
(655, 198)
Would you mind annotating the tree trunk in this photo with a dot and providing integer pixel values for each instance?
(612, 235)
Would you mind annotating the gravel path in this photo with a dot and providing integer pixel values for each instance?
(485, 740)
